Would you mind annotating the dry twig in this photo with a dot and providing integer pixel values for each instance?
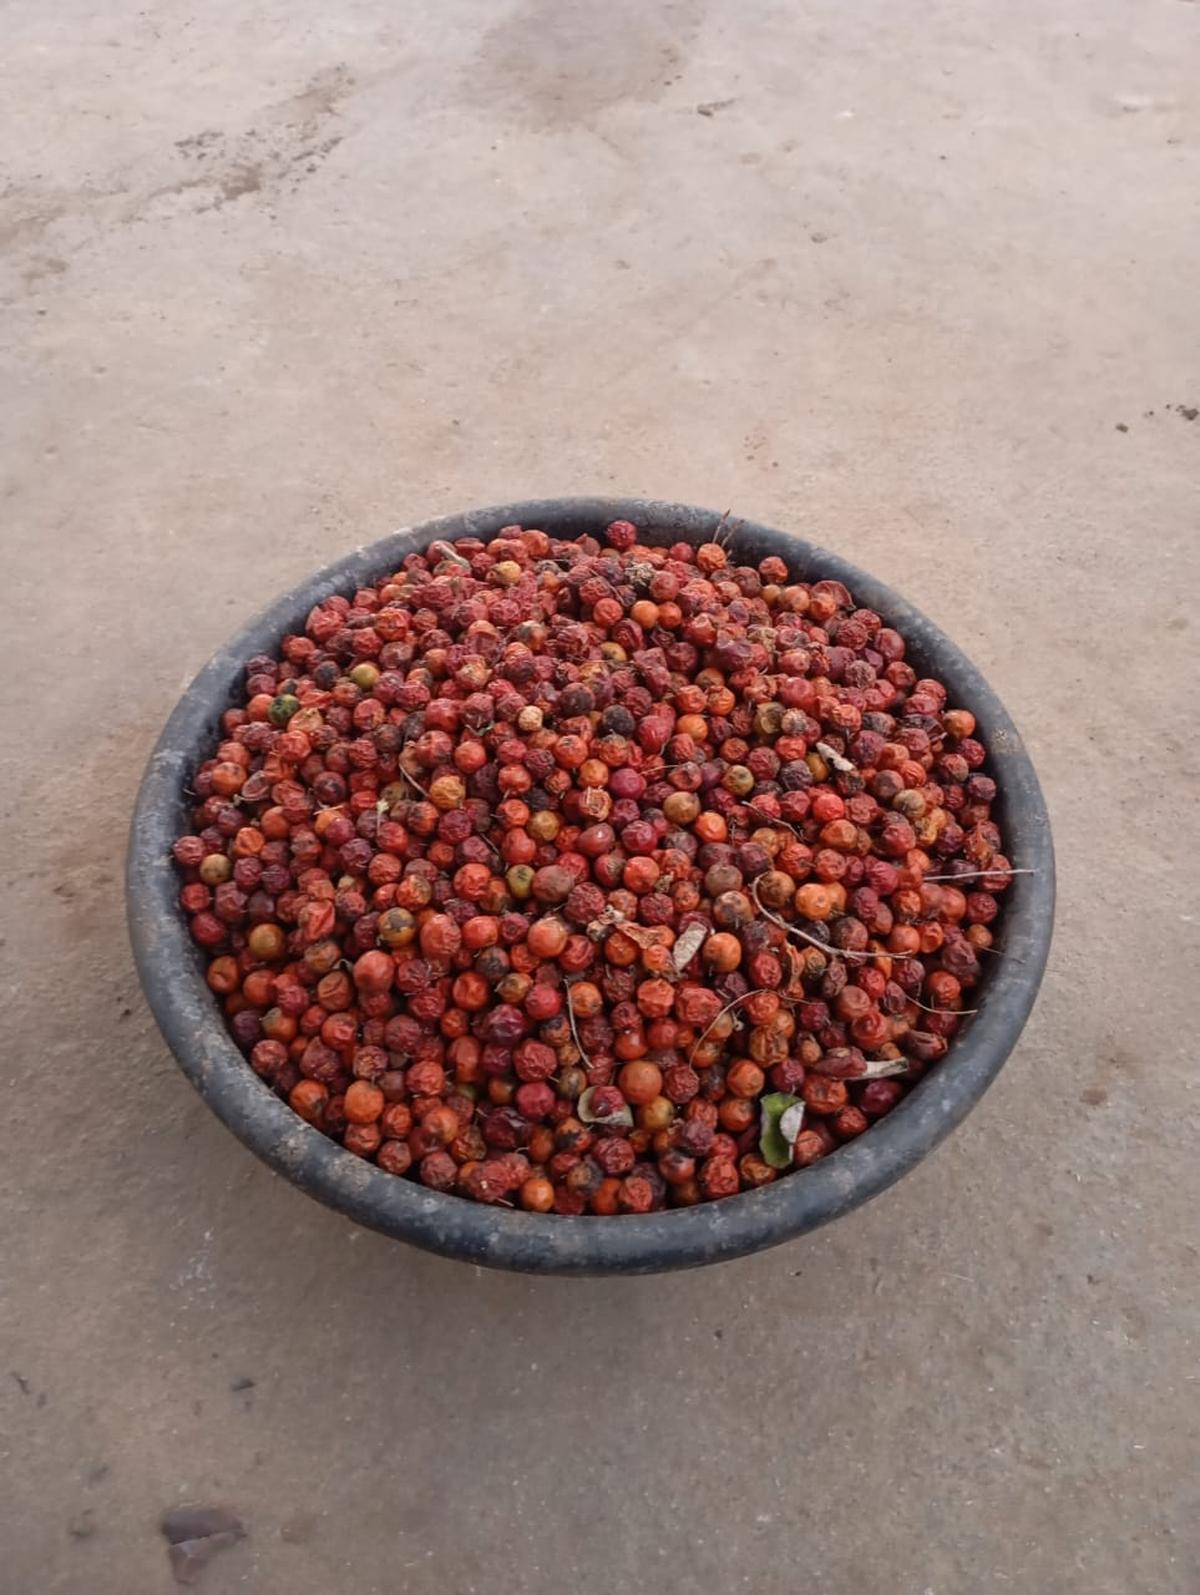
(717, 1020)
(815, 941)
(574, 1032)
(976, 874)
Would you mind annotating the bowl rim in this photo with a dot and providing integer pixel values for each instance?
(170, 965)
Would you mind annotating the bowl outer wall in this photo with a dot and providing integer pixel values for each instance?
(171, 966)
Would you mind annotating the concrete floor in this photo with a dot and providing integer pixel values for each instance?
(918, 280)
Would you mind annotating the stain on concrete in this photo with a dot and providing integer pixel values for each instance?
(557, 63)
(287, 144)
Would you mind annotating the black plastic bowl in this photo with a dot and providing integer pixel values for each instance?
(172, 967)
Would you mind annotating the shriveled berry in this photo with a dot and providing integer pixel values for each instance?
(438, 1170)
(718, 1177)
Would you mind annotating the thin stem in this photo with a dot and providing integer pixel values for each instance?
(411, 779)
(662, 769)
(574, 1031)
(977, 874)
(815, 941)
(957, 1012)
(699, 1042)
(774, 819)
(487, 842)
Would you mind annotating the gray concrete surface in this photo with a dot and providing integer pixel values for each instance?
(923, 281)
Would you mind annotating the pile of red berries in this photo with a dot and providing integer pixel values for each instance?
(596, 879)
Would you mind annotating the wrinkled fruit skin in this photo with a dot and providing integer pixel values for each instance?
(525, 873)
